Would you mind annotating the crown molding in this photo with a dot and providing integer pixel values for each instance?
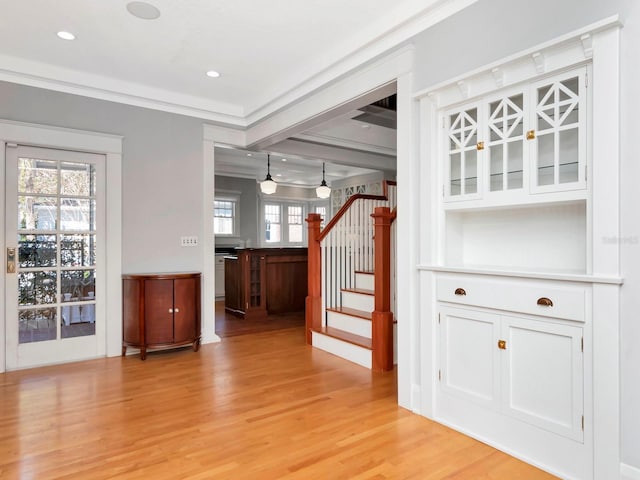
(50, 77)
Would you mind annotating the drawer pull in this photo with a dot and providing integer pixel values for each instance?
(460, 291)
(502, 344)
(545, 302)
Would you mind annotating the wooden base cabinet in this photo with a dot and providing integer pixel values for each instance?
(160, 311)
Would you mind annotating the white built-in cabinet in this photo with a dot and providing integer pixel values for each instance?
(519, 280)
(507, 146)
(527, 368)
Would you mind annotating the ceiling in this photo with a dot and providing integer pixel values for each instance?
(265, 51)
(269, 54)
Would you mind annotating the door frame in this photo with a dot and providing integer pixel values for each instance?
(12, 132)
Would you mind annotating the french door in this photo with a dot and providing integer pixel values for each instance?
(55, 287)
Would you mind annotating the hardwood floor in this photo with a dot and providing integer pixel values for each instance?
(228, 325)
(259, 406)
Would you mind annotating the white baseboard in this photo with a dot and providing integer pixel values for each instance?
(627, 472)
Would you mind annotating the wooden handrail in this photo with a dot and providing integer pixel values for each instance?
(336, 218)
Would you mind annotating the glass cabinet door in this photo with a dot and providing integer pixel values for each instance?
(463, 148)
(505, 145)
(558, 122)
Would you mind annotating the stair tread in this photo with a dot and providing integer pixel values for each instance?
(352, 312)
(348, 337)
(366, 272)
(363, 291)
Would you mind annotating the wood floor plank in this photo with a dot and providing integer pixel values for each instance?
(259, 406)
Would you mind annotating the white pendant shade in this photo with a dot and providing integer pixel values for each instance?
(268, 186)
(323, 191)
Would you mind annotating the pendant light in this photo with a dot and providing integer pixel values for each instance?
(323, 191)
(268, 186)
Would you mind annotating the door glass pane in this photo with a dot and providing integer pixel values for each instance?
(37, 288)
(471, 172)
(37, 176)
(455, 160)
(77, 214)
(568, 156)
(37, 213)
(496, 167)
(78, 250)
(36, 325)
(77, 179)
(37, 251)
(545, 159)
(514, 165)
(75, 285)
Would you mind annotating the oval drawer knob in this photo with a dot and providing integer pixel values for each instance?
(545, 302)
(460, 291)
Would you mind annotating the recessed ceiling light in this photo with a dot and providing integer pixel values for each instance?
(66, 35)
(143, 10)
(248, 154)
(213, 74)
(278, 174)
(284, 159)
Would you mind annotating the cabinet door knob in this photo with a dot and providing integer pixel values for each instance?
(502, 344)
(177, 310)
(171, 310)
(545, 302)
(531, 134)
(460, 291)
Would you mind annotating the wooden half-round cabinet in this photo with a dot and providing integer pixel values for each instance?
(160, 310)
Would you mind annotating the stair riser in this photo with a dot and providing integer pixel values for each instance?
(348, 351)
(356, 325)
(364, 280)
(358, 301)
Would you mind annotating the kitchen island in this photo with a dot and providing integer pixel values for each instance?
(265, 281)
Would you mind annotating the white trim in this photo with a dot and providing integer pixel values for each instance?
(3, 246)
(558, 53)
(526, 274)
(433, 13)
(628, 472)
(208, 251)
(94, 142)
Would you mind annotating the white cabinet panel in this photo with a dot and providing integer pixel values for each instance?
(469, 364)
(528, 369)
(542, 374)
(567, 301)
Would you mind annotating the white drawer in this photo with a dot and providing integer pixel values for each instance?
(515, 295)
(219, 260)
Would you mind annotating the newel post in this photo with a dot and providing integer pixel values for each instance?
(313, 305)
(382, 317)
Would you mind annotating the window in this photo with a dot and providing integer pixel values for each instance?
(272, 223)
(295, 223)
(283, 223)
(323, 214)
(224, 217)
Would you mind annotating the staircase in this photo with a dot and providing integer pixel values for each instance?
(351, 281)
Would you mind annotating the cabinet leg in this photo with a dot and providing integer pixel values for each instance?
(124, 350)
(143, 353)
(196, 345)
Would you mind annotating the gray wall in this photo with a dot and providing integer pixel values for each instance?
(247, 211)
(493, 29)
(162, 194)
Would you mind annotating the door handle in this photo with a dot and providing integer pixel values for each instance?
(11, 260)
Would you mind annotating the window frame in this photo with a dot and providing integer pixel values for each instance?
(283, 206)
(235, 222)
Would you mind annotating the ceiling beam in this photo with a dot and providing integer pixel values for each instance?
(330, 153)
